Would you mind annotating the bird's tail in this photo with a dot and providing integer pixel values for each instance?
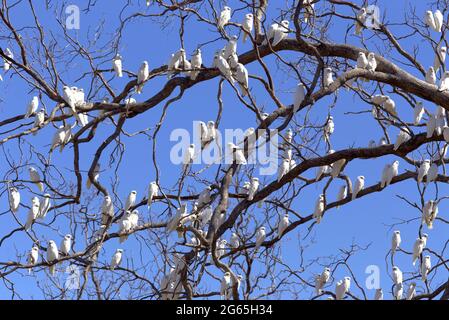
(123, 238)
(53, 269)
(40, 185)
(88, 183)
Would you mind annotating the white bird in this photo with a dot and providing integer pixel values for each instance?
(39, 120)
(430, 19)
(440, 58)
(299, 96)
(32, 107)
(319, 209)
(129, 101)
(438, 18)
(418, 112)
(96, 175)
(153, 191)
(205, 215)
(397, 275)
(130, 200)
(342, 288)
(327, 77)
(61, 137)
(70, 98)
(173, 224)
(360, 22)
(125, 226)
(359, 184)
(423, 170)
(329, 128)
(390, 171)
(241, 75)
(117, 65)
(308, 9)
(431, 125)
(142, 76)
(379, 99)
(260, 237)
(134, 219)
(398, 291)
(188, 156)
(236, 153)
(254, 186)
(282, 225)
(116, 259)
(425, 267)
(402, 137)
(225, 286)
(395, 241)
(411, 291)
(14, 199)
(233, 61)
(231, 47)
(432, 174)
(225, 17)
(184, 63)
(7, 64)
(429, 213)
(362, 61)
(336, 166)
(66, 244)
(78, 94)
(211, 130)
(220, 250)
(321, 280)
(418, 247)
(342, 193)
(372, 63)
(289, 135)
(431, 77)
(174, 62)
(234, 241)
(36, 178)
(33, 257)
(196, 63)
(204, 196)
(223, 67)
(107, 210)
(444, 83)
(247, 26)
(52, 255)
(424, 237)
(446, 134)
(44, 206)
(379, 295)
(440, 120)
(33, 213)
(284, 168)
(390, 106)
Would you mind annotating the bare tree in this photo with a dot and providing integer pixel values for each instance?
(210, 234)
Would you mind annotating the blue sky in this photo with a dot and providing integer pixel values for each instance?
(365, 221)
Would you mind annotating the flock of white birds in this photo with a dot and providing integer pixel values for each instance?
(226, 61)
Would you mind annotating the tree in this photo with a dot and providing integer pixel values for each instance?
(197, 231)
